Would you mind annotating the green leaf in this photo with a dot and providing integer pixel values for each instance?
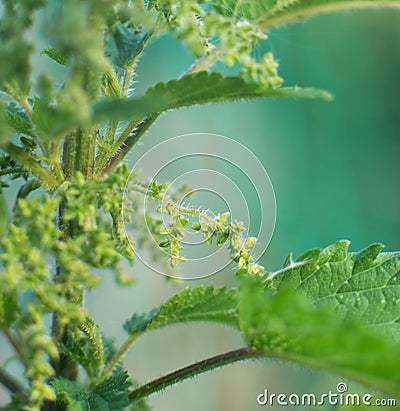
(364, 286)
(286, 325)
(53, 121)
(56, 56)
(196, 304)
(114, 390)
(124, 43)
(66, 389)
(18, 119)
(87, 348)
(197, 88)
(9, 308)
(110, 395)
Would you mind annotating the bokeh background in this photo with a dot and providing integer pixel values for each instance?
(334, 167)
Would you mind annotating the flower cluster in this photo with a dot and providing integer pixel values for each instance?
(168, 222)
(207, 29)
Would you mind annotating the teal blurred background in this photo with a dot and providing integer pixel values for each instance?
(334, 167)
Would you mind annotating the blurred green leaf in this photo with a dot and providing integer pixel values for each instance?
(286, 325)
(56, 56)
(124, 43)
(87, 348)
(9, 308)
(18, 119)
(196, 304)
(52, 121)
(197, 88)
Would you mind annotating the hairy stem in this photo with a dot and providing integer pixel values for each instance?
(193, 370)
(10, 382)
(85, 152)
(118, 356)
(17, 345)
(129, 137)
(68, 156)
(127, 79)
(48, 180)
(13, 170)
(311, 8)
(206, 61)
(141, 189)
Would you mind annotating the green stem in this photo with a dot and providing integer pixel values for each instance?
(241, 354)
(54, 161)
(68, 156)
(311, 8)
(85, 152)
(48, 180)
(26, 189)
(118, 356)
(10, 382)
(167, 200)
(127, 140)
(108, 146)
(13, 170)
(127, 79)
(205, 62)
(17, 345)
(193, 370)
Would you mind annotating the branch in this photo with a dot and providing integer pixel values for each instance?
(28, 162)
(305, 9)
(193, 370)
(206, 61)
(10, 382)
(128, 139)
(118, 356)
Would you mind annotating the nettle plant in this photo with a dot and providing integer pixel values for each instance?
(64, 143)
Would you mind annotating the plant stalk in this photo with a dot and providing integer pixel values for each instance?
(193, 370)
(118, 356)
(10, 382)
(48, 180)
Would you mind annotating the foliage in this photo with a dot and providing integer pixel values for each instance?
(64, 144)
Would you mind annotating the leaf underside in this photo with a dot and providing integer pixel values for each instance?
(197, 304)
(197, 88)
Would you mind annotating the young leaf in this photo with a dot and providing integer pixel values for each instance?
(56, 56)
(18, 119)
(110, 395)
(9, 308)
(363, 286)
(196, 304)
(285, 325)
(114, 390)
(197, 88)
(124, 43)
